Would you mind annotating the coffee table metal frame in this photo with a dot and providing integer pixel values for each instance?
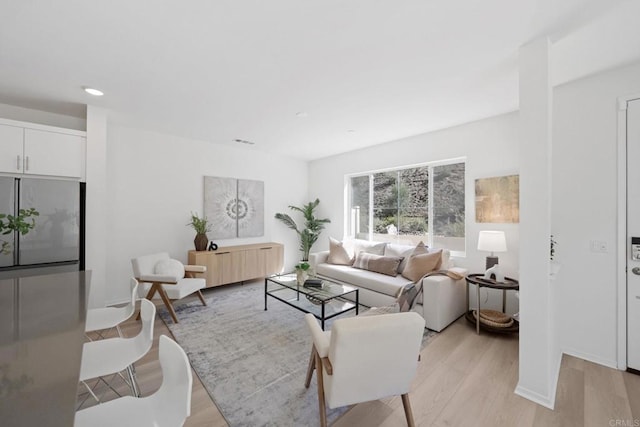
(285, 288)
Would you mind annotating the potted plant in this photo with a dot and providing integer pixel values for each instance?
(302, 274)
(201, 227)
(312, 226)
(22, 223)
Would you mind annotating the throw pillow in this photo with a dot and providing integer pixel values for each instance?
(337, 253)
(421, 248)
(377, 263)
(401, 251)
(421, 264)
(169, 267)
(376, 248)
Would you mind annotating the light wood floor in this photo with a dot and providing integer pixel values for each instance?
(463, 379)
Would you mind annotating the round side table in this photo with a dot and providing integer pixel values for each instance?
(509, 284)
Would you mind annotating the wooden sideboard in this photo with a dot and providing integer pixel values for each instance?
(231, 264)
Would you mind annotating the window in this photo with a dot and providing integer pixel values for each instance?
(410, 204)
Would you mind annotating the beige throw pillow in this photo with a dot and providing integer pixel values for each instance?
(377, 263)
(421, 264)
(420, 249)
(337, 253)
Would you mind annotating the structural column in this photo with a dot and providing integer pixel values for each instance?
(96, 213)
(537, 332)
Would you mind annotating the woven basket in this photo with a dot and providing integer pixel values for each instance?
(494, 316)
(491, 323)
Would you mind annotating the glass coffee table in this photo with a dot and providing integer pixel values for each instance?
(325, 302)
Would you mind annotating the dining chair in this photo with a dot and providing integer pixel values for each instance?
(168, 407)
(106, 318)
(116, 355)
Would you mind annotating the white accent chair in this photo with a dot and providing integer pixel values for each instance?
(105, 318)
(365, 358)
(169, 406)
(115, 355)
(172, 283)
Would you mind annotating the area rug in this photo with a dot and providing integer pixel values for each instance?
(251, 361)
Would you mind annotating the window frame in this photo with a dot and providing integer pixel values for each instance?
(430, 204)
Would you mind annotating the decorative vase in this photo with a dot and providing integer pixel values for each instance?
(301, 276)
(201, 242)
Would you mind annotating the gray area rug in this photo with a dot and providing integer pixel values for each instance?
(252, 362)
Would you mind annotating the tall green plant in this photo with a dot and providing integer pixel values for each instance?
(22, 223)
(312, 226)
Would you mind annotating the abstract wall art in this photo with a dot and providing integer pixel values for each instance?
(234, 207)
(498, 199)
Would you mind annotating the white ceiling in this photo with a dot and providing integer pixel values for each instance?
(364, 71)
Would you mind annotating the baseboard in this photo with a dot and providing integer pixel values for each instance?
(591, 358)
(535, 397)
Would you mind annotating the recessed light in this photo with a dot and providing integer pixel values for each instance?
(92, 91)
(351, 130)
(302, 114)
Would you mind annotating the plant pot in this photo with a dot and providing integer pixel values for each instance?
(201, 242)
(301, 276)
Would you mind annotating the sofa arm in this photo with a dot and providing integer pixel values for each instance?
(318, 258)
(443, 299)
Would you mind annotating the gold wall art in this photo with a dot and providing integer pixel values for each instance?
(498, 199)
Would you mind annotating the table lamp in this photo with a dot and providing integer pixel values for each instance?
(492, 241)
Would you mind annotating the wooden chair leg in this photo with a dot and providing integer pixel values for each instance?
(150, 294)
(201, 297)
(311, 367)
(321, 403)
(407, 410)
(167, 303)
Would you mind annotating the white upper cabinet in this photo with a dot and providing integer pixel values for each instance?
(50, 153)
(41, 150)
(11, 152)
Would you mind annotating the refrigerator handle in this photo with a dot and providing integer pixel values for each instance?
(18, 163)
(27, 166)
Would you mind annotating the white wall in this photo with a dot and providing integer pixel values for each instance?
(156, 180)
(584, 208)
(491, 149)
(41, 117)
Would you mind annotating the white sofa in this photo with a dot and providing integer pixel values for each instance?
(442, 301)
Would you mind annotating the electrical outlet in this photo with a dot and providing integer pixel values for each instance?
(599, 246)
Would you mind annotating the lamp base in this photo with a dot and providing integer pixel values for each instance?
(491, 261)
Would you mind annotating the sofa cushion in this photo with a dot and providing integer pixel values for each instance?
(376, 248)
(376, 282)
(421, 264)
(400, 251)
(380, 264)
(337, 253)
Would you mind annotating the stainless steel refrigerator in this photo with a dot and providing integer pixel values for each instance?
(54, 244)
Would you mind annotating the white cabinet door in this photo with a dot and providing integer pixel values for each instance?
(11, 155)
(50, 153)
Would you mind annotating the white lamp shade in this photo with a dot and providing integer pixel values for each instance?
(492, 241)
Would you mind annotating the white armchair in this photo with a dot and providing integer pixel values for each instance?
(169, 278)
(365, 358)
